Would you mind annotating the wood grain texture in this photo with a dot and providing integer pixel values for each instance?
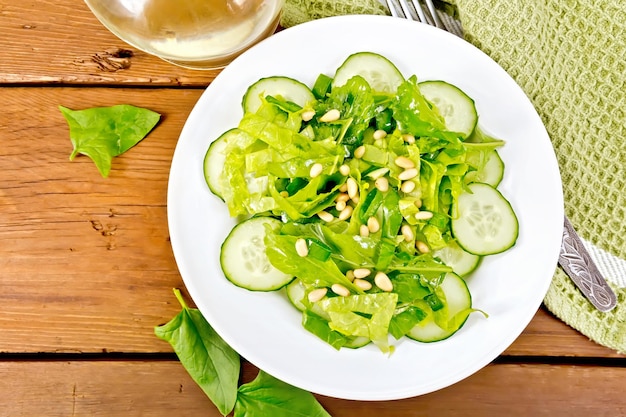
(156, 389)
(40, 46)
(85, 262)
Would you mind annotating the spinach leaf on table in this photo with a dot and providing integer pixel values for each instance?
(215, 367)
(103, 133)
(268, 396)
(210, 362)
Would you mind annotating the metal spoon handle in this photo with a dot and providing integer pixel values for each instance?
(580, 267)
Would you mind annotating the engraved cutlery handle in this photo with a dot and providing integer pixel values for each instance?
(577, 263)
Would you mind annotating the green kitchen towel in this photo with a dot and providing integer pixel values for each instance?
(300, 11)
(568, 57)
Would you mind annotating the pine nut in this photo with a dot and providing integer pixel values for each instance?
(359, 152)
(404, 162)
(363, 284)
(377, 173)
(379, 134)
(340, 290)
(343, 188)
(364, 231)
(383, 282)
(308, 115)
(407, 232)
(361, 272)
(316, 170)
(423, 215)
(356, 199)
(302, 248)
(331, 116)
(342, 197)
(418, 203)
(345, 213)
(353, 187)
(382, 184)
(407, 187)
(350, 275)
(317, 294)
(408, 138)
(344, 170)
(340, 205)
(326, 216)
(373, 225)
(422, 247)
(284, 194)
(407, 174)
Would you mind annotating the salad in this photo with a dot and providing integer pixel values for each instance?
(367, 197)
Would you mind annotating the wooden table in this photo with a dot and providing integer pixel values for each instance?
(87, 271)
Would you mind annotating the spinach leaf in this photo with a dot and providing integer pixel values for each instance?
(102, 133)
(401, 323)
(320, 327)
(210, 362)
(414, 114)
(281, 252)
(268, 396)
(356, 102)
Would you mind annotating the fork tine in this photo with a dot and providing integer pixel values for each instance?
(406, 9)
(392, 8)
(433, 13)
(401, 8)
(420, 11)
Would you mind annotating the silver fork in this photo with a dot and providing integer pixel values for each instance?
(414, 10)
(574, 257)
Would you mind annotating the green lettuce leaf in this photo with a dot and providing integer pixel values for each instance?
(102, 133)
(366, 315)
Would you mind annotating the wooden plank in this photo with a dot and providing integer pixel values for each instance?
(39, 46)
(85, 262)
(130, 388)
(547, 335)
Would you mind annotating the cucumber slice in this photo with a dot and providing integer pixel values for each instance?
(456, 107)
(296, 291)
(243, 257)
(285, 87)
(483, 221)
(461, 262)
(380, 73)
(492, 171)
(357, 342)
(458, 298)
(214, 161)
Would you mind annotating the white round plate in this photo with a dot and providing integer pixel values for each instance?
(263, 327)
